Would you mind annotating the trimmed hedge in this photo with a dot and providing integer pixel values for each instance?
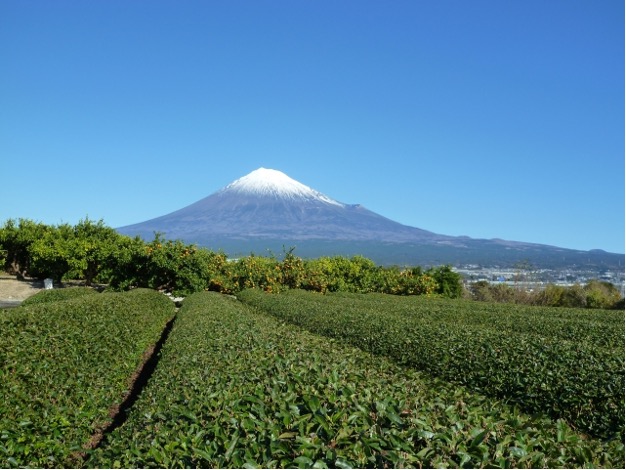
(56, 295)
(522, 359)
(238, 389)
(64, 365)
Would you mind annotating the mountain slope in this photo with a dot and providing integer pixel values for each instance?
(268, 204)
(267, 210)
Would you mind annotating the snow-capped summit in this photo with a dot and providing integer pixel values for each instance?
(267, 204)
(268, 210)
(274, 183)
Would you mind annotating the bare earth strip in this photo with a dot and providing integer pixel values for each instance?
(13, 292)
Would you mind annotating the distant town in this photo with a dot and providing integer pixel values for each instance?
(528, 278)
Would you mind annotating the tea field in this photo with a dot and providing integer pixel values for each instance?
(65, 361)
(301, 379)
(568, 363)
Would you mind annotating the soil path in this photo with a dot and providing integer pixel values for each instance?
(13, 292)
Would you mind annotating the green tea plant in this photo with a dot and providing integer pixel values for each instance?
(569, 367)
(235, 389)
(57, 295)
(64, 365)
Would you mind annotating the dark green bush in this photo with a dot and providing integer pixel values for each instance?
(65, 365)
(570, 367)
(237, 389)
(57, 295)
(16, 239)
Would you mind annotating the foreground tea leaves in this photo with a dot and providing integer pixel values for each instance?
(236, 389)
(567, 363)
(64, 364)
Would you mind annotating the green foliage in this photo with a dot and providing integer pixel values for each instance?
(413, 282)
(42, 251)
(92, 246)
(183, 269)
(161, 264)
(235, 389)
(254, 272)
(292, 270)
(127, 266)
(16, 238)
(339, 274)
(63, 365)
(175, 267)
(594, 294)
(448, 282)
(94, 252)
(51, 253)
(502, 293)
(57, 295)
(551, 296)
(574, 296)
(600, 294)
(568, 364)
(361, 275)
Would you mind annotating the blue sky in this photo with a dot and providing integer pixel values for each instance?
(486, 118)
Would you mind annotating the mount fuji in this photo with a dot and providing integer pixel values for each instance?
(267, 210)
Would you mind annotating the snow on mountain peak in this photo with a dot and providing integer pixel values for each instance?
(274, 183)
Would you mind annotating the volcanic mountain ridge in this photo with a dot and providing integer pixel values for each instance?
(267, 210)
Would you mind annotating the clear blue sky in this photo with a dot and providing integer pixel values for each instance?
(486, 118)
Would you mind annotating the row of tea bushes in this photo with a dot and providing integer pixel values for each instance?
(65, 364)
(602, 327)
(57, 295)
(238, 389)
(525, 360)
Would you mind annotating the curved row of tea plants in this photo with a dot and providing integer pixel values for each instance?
(57, 295)
(65, 364)
(581, 381)
(238, 389)
(602, 327)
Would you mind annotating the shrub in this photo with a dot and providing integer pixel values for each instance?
(449, 283)
(16, 239)
(65, 365)
(237, 389)
(57, 295)
(595, 294)
(532, 360)
(551, 296)
(601, 294)
(255, 272)
(165, 265)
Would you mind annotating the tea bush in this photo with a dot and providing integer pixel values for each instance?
(570, 366)
(57, 295)
(64, 365)
(235, 389)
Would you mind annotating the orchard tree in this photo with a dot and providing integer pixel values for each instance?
(449, 283)
(16, 239)
(92, 245)
(50, 253)
(127, 264)
(292, 270)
